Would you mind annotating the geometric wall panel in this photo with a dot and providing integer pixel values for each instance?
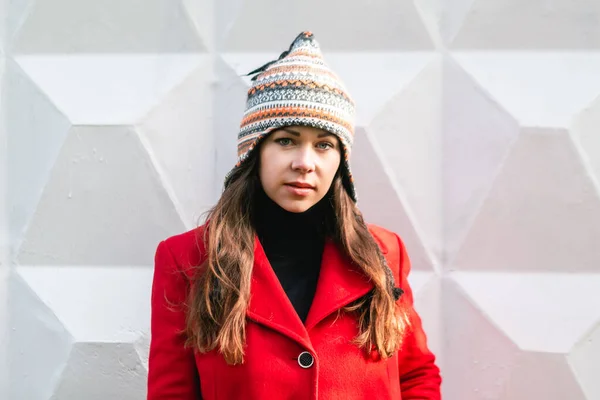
(430, 122)
(98, 171)
(385, 26)
(532, 25)
(527, 307)
(585, 362)
(545, 325)
(110, 26)
(381, 201)
(39, 344)
(109, 89)
(375, 78)
(4, 331)
(478, 355)
(142, 347)
(4, 237)
(12, 15)
(110, 317)
(407, 129)
(526, 353)
(542, 376)
(176, 134)
(477, 135)
(585, 131)
(537, 89)
(202, 16)
(101, 291)
(102, 371)
(33, 151)
(427, 291)
(541, 214)
(443, 19)
(229, 100)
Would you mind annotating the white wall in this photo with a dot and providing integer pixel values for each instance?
(478, 141)
(4, 246)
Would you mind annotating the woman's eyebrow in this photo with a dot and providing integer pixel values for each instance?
(296, 133)
(293, 132)
(324, 134)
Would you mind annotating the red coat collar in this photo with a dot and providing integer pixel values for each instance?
(339, 284)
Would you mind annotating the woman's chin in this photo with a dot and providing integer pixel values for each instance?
(295, 206)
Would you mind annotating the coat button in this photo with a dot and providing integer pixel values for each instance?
(305, 359)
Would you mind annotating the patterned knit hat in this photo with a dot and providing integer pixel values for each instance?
(298, 88)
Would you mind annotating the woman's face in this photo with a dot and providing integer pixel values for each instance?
(297, 166)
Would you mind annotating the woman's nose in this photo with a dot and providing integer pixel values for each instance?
(304, 160)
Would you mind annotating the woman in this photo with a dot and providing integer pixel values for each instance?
(285, 292)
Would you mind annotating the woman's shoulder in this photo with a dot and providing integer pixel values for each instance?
(187, 248)
(387, 239)
(393, 249)
(187, 238)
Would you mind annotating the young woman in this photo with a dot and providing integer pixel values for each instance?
(285, 292)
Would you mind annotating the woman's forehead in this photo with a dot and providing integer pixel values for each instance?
(299, 130)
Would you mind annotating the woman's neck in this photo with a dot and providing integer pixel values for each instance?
(275, 224)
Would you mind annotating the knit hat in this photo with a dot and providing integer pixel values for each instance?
(298, 88)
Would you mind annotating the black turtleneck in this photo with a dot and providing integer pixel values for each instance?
(293, 243)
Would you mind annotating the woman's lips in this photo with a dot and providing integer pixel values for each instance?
(299, 188)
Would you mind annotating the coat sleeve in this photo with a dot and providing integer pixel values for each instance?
(172, 370)
(419, 375)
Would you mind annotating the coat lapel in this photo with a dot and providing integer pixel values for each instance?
(269, 304)
(339, 284)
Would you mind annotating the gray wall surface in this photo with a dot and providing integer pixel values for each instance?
(477, 141)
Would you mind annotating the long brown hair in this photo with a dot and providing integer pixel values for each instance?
(220, 292)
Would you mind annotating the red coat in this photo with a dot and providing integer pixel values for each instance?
(276, 336)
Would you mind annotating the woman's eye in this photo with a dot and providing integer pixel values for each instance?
(284, 141)
(325, 145)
